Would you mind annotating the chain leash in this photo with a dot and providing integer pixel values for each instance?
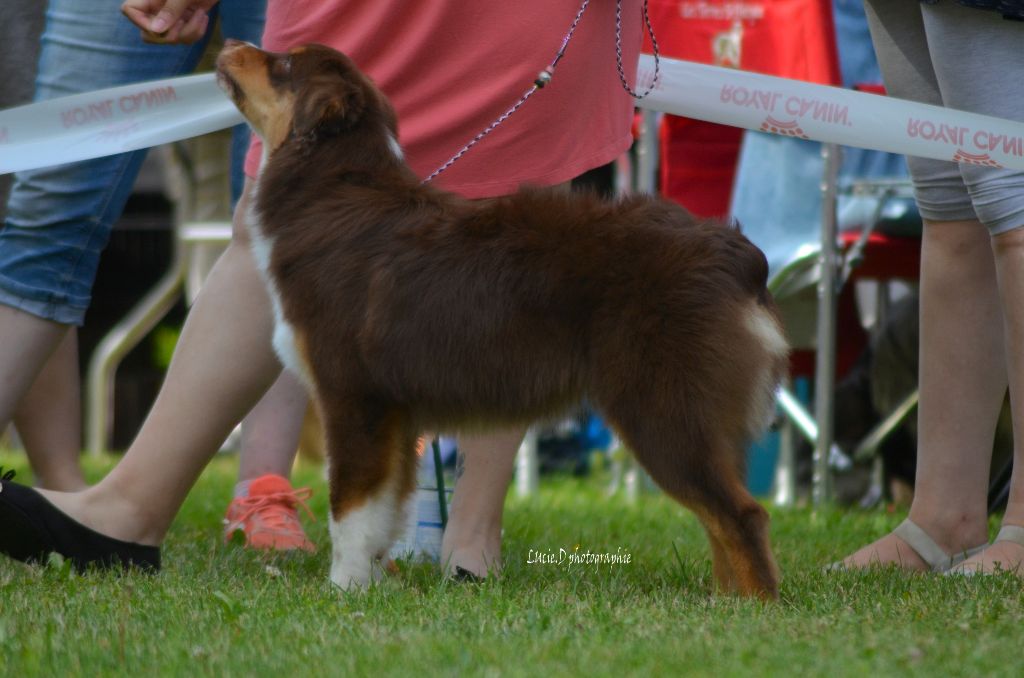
(544, 77)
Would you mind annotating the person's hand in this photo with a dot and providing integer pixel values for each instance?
(169, 21)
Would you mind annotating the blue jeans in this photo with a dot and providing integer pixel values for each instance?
(59, 218)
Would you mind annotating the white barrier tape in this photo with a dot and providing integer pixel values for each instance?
(138, 116)
(110, 121)
(831, 114)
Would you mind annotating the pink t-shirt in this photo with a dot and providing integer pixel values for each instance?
(451, 67)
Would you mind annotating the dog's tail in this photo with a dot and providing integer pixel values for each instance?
(753, 267)
(765, 327)
(769, 338)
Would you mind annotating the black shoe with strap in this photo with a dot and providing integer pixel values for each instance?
(31, 528)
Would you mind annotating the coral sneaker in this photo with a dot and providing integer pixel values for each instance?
(268, 517)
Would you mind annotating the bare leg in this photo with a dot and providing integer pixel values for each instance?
(49, 420)
(962, 383)
(1008, 248)
(222, 366)
(472, 540)
(270, 433)
(28, 342)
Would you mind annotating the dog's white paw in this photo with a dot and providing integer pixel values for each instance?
(351, 579)
(347, 583)
(357, 578)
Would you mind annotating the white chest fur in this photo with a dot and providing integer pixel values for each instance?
(284, 335)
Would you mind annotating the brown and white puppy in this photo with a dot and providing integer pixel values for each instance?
(406, 308)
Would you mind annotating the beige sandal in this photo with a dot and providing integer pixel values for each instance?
(930, 552)
(1010, 533)
(926, 548)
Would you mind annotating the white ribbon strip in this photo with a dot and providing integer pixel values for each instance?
(831, 114)
(112, 121)
(138, 116)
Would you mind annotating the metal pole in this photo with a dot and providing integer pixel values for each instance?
(527, 465)
(828, 289)
(646, 180)
(118, 342)
(784, 493)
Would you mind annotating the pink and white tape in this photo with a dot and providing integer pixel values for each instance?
(148, 114)
(831, 114)
(110, 121)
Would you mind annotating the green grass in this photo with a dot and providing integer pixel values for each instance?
(219, 610)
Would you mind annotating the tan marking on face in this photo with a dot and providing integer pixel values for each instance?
(268, 109)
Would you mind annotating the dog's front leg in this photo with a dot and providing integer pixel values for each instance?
(372, 473)
(360, 537)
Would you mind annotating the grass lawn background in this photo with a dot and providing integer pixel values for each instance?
(219, 610)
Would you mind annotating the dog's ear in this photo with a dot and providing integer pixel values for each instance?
(328, 107)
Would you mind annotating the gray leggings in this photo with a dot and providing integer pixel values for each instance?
(967, 59)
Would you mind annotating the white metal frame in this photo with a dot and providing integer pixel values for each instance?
(143, 317)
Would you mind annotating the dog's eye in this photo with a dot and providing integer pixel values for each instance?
(281, 66)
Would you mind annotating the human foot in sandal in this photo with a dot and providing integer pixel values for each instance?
(1005, 554)
(908, 547)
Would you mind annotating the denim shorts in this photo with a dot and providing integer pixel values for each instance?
(59, 218)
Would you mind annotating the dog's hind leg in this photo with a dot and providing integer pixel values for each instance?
(704, 473)
(738, 529)
(371, 449)
(721, 568)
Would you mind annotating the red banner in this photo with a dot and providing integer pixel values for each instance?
(787, 38)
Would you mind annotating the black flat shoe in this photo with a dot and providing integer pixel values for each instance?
(464, 576)
(31, 528)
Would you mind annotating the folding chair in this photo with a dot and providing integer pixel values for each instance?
(829, 269)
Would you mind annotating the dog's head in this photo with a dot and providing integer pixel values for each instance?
(310, 91)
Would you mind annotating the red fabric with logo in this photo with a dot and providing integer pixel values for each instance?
(787, 38)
